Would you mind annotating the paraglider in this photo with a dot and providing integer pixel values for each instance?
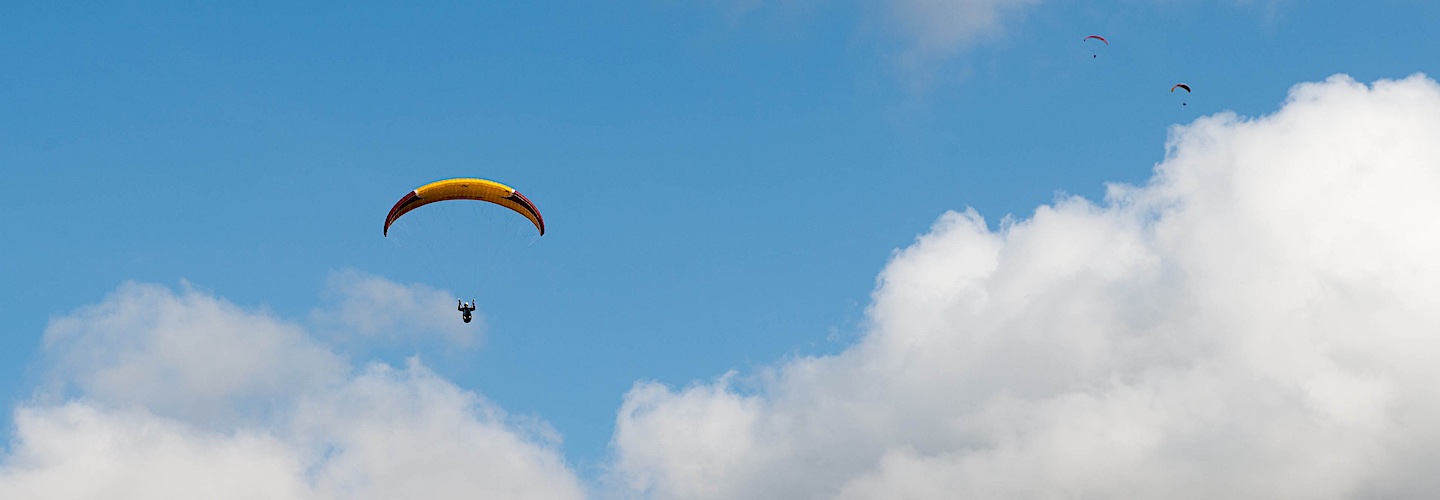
(1097, 37)
(1181, 86)
(466, 189)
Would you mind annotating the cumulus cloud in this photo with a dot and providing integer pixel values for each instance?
(184, 354)
(1257, 321)
(370, 307)
(180, 394)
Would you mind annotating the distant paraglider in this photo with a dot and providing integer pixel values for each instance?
(1097, 37)
(1181, 86)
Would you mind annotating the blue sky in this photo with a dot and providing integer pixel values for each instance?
(722, 181)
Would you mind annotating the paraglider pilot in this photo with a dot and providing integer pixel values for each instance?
(465, 309)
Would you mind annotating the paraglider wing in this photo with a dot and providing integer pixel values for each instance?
(466, 189)
(1180, 86)
(1097, 37)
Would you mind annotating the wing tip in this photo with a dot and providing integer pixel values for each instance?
(539, 220)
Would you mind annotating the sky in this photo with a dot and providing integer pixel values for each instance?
(793, 249)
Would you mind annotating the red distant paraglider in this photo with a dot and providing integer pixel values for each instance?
(1097, 37)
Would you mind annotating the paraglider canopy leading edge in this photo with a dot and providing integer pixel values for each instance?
(466, 188)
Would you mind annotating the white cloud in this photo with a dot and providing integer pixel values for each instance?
(367, 306)
(1258, 321)
(184, 395)
(79, 450)
(410, 434)
(186, 355)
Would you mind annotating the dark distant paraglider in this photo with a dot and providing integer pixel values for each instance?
(1181, 86)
